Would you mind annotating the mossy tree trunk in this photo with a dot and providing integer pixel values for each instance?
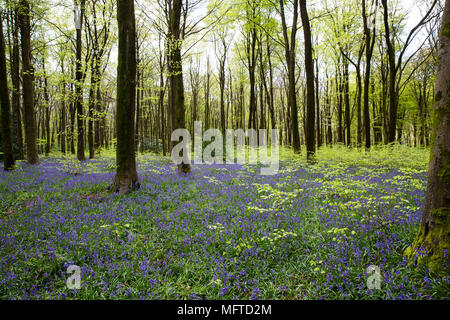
(126, 175)
(5, 116)
(27, 83)
(432, 244)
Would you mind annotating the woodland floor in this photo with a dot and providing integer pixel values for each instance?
(225, 232)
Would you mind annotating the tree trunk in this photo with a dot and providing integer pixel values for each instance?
(329, 133)
(27, 83)
(251, 69)
(126, 175)
(8, 155)
(339, 89)
(370, 41)
(47, 115)
(347, 103)
(271, 89)
(161, 103)
(15, 79)
(434, 231)
(289, 44)
(138, 98)
(176, 74)
(207, 88)
(91, 107)
(318, 117)
(393, 98)
(309, 68)
(63, 111)
(79, 89)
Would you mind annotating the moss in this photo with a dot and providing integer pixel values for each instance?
(440, 213)
(444, 173)
(431, 247)
(437, 118)
(446, 31)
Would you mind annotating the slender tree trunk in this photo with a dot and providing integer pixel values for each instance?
(289, 44)
(393, 98)
(8, 155)
(27, 82)
(15, 79)
(126, 178)
(73, 111)
(47, 116)
(377, 127)
(370, 42)
(138, 97)
(176, 74)
(434, 231)
(358, 105)
(251, 69)
(92, 93)
(207, 88)
(309, 68)
(161, 104)
(79, 89)
(347, 103)
(222, 75)
(318, 117)
(339, 90)
(63, 113)
(271, 89)
(329, 116)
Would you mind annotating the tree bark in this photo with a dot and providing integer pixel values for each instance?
(126, 178)
(309, 68)
(318, 117)
(207, 88)
(27, 83)
(346, 89)
(393, 98)
(79, 89)
(434, 231)
(15, 79)
(370, 42)
(91, 107)
(289, 45)
(251, 58)
(8, 155)
(63, 110)
(47, 115)
(176, 74)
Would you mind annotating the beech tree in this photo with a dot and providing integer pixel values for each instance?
(175, 66)
(434, 231)
(309, 67)
(126, 178)
(289, 47)
(369, 38)
(78, 84)
(263, 79)
(27, 82)
(8, 156)
(395, 62)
